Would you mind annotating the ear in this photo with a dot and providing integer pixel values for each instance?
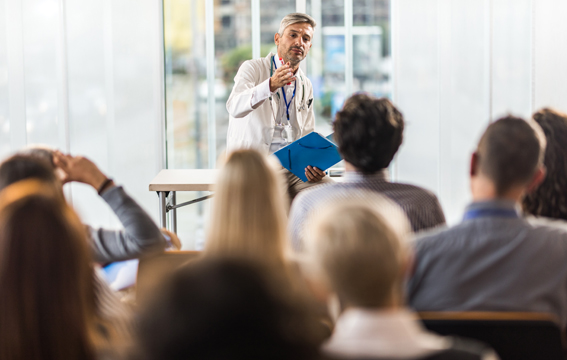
(474, 164)
(277, 39)
(536, 180)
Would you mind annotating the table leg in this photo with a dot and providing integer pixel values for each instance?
(162, 209)
(173, 213)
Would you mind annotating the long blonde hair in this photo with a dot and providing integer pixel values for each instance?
(248, 214)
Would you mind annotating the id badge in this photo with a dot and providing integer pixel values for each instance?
(288, 131)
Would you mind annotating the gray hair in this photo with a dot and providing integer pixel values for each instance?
(295, 18)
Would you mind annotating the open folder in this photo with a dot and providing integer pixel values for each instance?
(312, 149)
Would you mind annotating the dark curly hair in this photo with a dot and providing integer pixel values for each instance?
(550, 198)
(368, 132)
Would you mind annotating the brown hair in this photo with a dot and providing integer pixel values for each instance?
(47, 301)
(550, 198)
(26, 166)
(231, 309)
(248, 214)
(510, 151)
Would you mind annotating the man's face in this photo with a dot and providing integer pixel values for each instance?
(295, 42)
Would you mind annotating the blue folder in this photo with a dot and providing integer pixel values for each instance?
(312, 149)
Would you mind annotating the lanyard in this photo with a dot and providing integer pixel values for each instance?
(506, 213)
(287, 105)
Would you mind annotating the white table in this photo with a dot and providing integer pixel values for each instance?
(171, 181)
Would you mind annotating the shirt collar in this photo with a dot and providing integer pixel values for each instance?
(381, 333)
(356, 176)
(492, 208)
(499, 204)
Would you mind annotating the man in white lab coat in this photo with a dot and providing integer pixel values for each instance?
(271, 104)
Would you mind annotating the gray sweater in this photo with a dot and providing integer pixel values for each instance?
(140, 235)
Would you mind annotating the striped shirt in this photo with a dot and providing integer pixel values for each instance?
(421, 206)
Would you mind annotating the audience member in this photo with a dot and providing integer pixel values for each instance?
(368, 132)
(21, 167)
(47, 305)
(549, 200)
(141, 236)
(248, 214)
(360, 254)
(224, 309)
(494, 260)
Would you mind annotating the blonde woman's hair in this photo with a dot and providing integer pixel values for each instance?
(358, 251)
(248, 214)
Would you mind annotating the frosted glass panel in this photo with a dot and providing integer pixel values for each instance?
(134, 131)
(111, 50)
(550, 54)
(463, 97)
(40, 24)
(417, 92)
(511, 58)
(111, 66)
(88, 102)
(4, 95)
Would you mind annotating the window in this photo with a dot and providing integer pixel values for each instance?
(205, 44)
(226, 22)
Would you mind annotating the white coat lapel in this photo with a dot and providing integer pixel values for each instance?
(275, 99)
(275, 107)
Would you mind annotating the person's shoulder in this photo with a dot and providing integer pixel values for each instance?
(439, 237)
(253, 64)
(315, 193)
(423, 192)
(552, 231)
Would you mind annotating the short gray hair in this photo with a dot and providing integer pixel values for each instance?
(295, 18)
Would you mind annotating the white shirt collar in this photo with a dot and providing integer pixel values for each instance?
(395, 334)
(356, 176)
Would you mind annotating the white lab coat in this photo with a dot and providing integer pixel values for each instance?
(254, 128)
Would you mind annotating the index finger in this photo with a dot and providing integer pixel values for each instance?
(59, 159)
